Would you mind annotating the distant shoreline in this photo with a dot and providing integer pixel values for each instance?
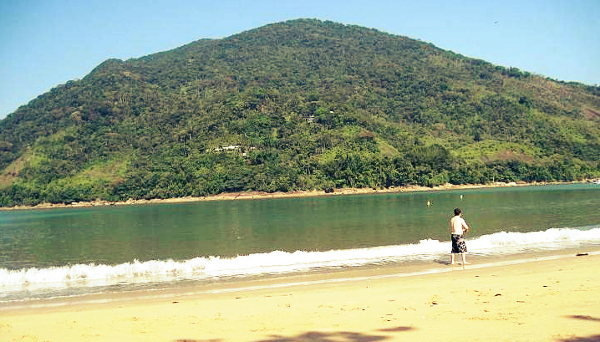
(254, 195)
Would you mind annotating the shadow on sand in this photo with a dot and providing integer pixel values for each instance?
(317, 336)
(593, 338)
(585, 318)
(442, 262)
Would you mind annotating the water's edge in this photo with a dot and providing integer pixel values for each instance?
(330, 277)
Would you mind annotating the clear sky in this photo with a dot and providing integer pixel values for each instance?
(44, 43)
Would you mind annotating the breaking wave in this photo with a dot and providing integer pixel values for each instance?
(83, 278)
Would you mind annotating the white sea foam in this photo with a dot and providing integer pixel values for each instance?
(554, 238)
(83, 277)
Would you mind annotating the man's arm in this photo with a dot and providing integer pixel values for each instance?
(465, 226)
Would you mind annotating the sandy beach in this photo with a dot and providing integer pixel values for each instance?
(543, 299)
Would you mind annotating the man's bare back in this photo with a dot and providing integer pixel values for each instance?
(458, 225)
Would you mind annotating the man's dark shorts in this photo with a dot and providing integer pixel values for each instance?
(458, 244)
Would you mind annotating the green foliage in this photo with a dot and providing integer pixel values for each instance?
(302, 104)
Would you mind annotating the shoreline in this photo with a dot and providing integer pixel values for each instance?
(257, 195)
(546, 299)
(191, 287)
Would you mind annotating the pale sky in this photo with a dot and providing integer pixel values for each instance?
(44, 43)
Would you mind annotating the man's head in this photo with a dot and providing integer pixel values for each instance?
(457, 211)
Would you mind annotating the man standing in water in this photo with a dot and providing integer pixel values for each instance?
(458, 227)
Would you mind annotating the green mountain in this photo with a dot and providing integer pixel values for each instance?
(303, 104)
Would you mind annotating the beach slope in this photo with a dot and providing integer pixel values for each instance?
(547, 300)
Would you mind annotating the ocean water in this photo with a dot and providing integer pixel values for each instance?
(80, 251)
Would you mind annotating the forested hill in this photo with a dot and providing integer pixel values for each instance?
(303, 104)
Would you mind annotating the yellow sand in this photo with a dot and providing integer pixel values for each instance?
(548, 300)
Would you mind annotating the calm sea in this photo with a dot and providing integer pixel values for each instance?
(80, 251)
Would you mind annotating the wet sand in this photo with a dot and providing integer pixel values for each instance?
(542, 299)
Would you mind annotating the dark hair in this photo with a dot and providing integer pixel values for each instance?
(457, 211)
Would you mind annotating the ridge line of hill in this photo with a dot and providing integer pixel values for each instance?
(311, 105)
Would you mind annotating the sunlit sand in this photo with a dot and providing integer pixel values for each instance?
(543, 299)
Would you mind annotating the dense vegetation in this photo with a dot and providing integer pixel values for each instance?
(302, 104)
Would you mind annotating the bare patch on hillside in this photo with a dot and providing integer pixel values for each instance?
(109, 172)
(11, 172)
(590, 113)
(6, 180)
(509, 155)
